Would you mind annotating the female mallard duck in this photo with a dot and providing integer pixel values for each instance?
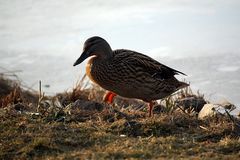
(128, 73)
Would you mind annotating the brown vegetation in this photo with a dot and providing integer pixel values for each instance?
(78, 125)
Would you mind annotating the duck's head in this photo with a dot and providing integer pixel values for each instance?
(95, 46)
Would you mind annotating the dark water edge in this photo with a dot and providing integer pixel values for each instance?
(215, 76)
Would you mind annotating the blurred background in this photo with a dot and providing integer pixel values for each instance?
(40, 40)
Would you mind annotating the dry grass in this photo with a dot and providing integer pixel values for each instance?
(78, 125)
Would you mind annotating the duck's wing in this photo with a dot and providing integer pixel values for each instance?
(135, 60)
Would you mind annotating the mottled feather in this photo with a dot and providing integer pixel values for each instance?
(150, 65)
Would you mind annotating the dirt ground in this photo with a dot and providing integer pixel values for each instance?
(79, 125)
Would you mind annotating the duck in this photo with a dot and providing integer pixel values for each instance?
(128, 73)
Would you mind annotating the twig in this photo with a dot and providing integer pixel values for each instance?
(230, 116)
(41, 95)
(203, 128)
(122, 114)
(40, 89)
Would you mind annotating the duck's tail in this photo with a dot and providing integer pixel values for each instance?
(182, 85)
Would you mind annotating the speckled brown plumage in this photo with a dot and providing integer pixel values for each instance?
(128, 73)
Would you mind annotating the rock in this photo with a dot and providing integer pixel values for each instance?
(227, 105)
(132, 128)
(191, 103)
(82, 110)
(19, 107)
(236, 128)
(208, 110)
(157, 109)
(87, 105)
(134, 104)
(224, 109)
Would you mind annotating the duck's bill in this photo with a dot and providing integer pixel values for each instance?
(80, 59)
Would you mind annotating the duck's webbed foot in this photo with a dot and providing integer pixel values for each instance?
(108, 97)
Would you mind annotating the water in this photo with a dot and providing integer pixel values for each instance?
(216, 76)
(42, 39)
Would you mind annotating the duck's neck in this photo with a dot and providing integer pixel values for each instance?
(96, 64)
(105, 52)
(105, 56)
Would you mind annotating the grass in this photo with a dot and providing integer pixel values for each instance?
(61, 127)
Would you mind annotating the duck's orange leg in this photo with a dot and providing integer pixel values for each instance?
(109, 97)
(150, 105)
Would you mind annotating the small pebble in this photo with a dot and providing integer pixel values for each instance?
(123, 135)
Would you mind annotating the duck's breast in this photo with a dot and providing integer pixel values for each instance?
(89, 69)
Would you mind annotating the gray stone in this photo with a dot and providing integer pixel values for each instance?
(87, 105)
(227, 105)
(208, 110)
(191, 103)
